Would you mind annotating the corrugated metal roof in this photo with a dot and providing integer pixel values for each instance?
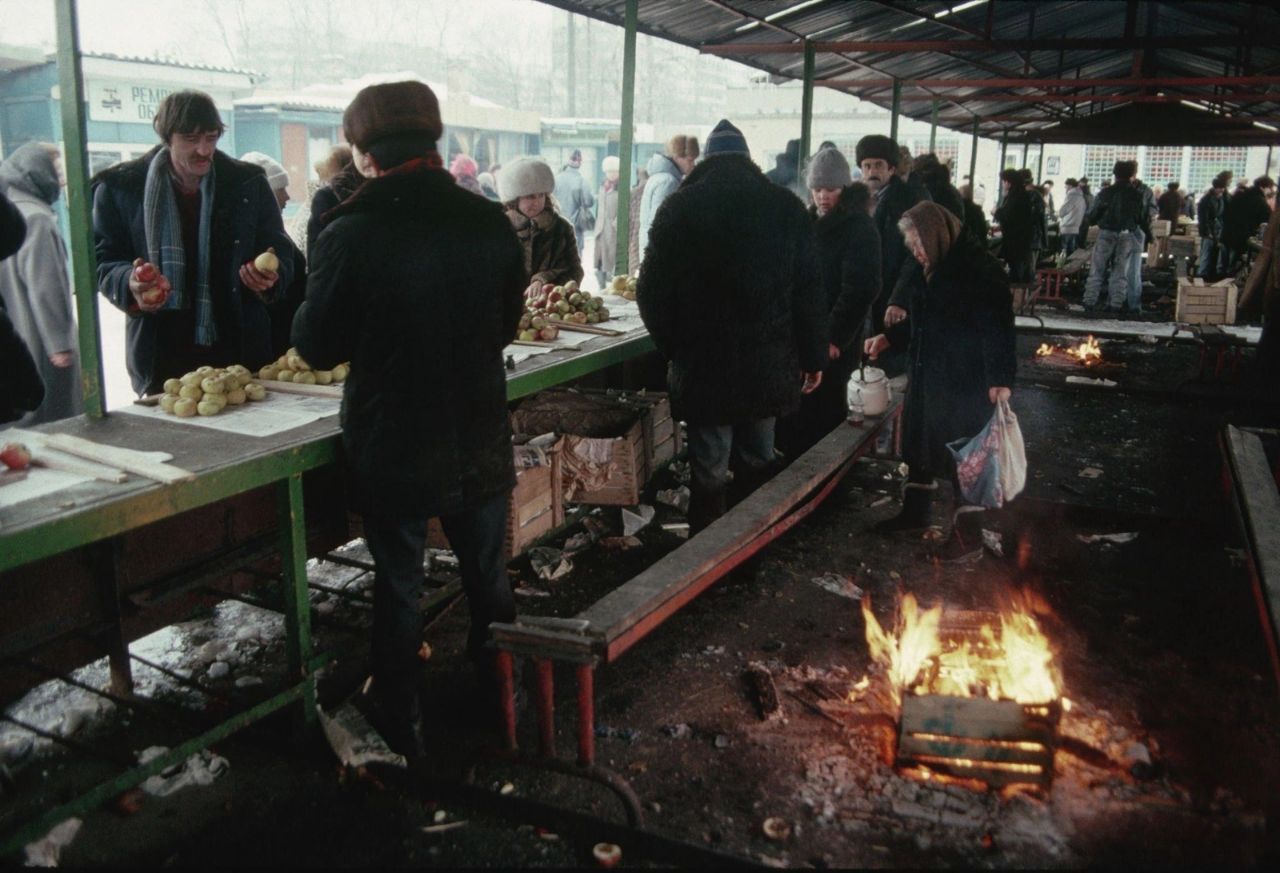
(1143, 40)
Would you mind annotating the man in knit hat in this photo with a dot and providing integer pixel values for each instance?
(878, 158)
(286, 304)
(731, 296)
(424, 421)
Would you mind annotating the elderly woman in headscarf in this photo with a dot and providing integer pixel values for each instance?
(34, 287)
(958, 327)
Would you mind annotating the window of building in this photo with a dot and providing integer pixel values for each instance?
(1163, 165)
(1209, 161)
(1099, 161)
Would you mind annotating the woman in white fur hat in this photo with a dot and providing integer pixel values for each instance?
(550, 247)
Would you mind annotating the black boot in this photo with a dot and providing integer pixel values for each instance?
(916, 499)
(705, 506)
(397, 716)
(965, 543)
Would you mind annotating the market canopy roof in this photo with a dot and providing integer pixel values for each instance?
(1039, 71)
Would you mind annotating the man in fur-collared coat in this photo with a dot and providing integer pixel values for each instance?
(731, 295)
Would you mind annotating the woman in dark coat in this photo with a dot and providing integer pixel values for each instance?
(1017, 236)
(341, 185)
(961, 344)
(849, 262)
(550, 246)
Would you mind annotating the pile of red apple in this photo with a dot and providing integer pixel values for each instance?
(545, 305)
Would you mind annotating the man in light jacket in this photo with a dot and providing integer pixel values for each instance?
(1070, 216)
(665, 174)
(574, 199)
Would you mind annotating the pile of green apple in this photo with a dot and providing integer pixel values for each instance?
(209, 390)
(624, 287)
(546, 306)
(290, 367)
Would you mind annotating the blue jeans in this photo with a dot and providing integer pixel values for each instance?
(1133, 300)
(1114, 249)
(477, 537)
(1204, 264)
(1069, 241)
(750, 445)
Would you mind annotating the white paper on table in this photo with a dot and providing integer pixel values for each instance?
(521, 353)
(39, 483)
(278, 413)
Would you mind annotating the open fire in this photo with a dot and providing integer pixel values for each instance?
(1088, 352)
(979, 694)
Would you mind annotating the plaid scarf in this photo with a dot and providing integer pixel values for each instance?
(162, 225)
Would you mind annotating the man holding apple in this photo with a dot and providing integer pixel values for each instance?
(177, 232)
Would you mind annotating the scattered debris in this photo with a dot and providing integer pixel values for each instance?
(932, 534)
(46, 851)
(530, 591)
(607, 855)
(1090, 473)
(219, 669)
(1085, 380)
(681, 471)
(578, 542)
(595, 526)
(248, 681)
(424, 651)
(507, 788)
(354, 740)
(713, 650)
(677, 498)
(444, 827)
(772, 646)
(1116, 538)
(776, 829)
(879, 501)
(994, 541)
(839, 585)
(621, 544)
(723, 741)
(202, 768)
(763, 690)
(611, 733)
(1148, 339)
(634, 522)
(678, 731)
(550, 564)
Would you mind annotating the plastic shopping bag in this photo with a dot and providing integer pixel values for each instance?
(992, 466)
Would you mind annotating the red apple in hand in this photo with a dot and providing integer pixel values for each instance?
(15, 456)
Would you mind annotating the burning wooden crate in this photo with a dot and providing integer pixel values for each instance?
(1199, 303)
(613, 440)
(979, 692)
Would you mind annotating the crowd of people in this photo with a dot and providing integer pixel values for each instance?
(762, 291)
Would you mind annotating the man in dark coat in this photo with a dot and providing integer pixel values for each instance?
(20, 388)
(573, 198)
(849, 263)
(424, 411)
(1209, 221)
(1039, 219)
(975, 221)
(1124, 224)
(200, 218)
(786, 170)
(936, 178)
(878, 157)
(731, 296)
(1244, 214)
(339, 187)
(1017, 233)
(962, 347)
(1169, 205)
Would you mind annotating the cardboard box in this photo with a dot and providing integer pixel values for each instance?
(1160, 227)
(1199, 303)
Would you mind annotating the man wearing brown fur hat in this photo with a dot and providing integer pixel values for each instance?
(424, 412)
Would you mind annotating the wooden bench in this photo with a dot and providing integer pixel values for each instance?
(603, 632)
(1252, 491)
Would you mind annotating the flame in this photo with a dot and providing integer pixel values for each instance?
(1008, 658)
(1088, 352)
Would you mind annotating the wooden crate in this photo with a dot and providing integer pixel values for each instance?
(1161, 228)
(534, 509)
(619, 464)
(1199, 303)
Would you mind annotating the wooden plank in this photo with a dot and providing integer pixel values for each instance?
(334, 391)
(126, 459)
(669, 578)
(1258, 503)
(56, 460)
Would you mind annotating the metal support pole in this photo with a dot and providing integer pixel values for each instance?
(933, 130)
(573, 66)
(973, 162)
(84, 265)
(1004, 148)
(545, 703)
(626, 137)
(1025, 147)
(507, 693)
(586, 715)
(897, 103)
(297, 604)
(806, 109)
(1040, 166)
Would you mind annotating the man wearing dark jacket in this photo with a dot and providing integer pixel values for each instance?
(1244, 214)
(1017, 233)
(878, 157)
(424, 411)
(1124, 223)
(731, 296)
(849, 264)
(936, 178)
(1169, 205)
(1209, 222)
(200, 218)
(786, 170)
(21, 389)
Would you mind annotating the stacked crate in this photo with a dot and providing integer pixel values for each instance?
(1199, 303)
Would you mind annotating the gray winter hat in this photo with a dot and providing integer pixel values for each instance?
(524, 177)
(828, 169)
